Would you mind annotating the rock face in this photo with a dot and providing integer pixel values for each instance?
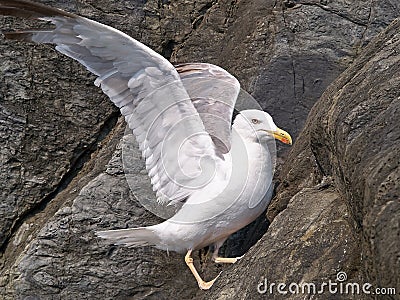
(339, 194)
(337, 203)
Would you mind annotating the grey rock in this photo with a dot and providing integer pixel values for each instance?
(351, 138)
(67, 261)
(285, 55)
(47, 128)
(301, 246)
(361, 140)
(336, 206)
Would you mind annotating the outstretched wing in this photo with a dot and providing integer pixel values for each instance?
(213, 92)
(144, 85)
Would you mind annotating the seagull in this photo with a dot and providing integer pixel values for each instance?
(219, 175)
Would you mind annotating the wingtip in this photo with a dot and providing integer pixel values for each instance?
(17, 35)
(30, 9)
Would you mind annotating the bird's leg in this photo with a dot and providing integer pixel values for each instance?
(202, 284)
(224, 260)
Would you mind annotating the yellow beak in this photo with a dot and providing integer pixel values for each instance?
(283, 136)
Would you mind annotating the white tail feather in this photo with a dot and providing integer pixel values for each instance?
(132, 237)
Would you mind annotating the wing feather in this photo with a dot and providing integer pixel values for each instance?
(145, 86)
(213, 92)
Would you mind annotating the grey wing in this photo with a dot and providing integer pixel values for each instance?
(144, 85)
(213, 92)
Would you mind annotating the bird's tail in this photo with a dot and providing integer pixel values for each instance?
(133, 237)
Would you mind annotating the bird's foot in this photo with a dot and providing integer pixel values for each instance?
(226, 260)
(207, 285)
(202, 284)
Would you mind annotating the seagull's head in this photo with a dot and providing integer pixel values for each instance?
(260, 124)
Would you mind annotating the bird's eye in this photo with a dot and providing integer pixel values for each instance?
(255, 121)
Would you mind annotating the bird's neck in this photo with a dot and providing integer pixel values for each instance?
(246, 143)
(244, 131)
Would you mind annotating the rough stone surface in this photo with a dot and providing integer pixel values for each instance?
(300, 246)
(50, 261)
(350, 141)
(360, 149)
(286, 52)
(52, 117)
(336, 206)
(339, 196)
